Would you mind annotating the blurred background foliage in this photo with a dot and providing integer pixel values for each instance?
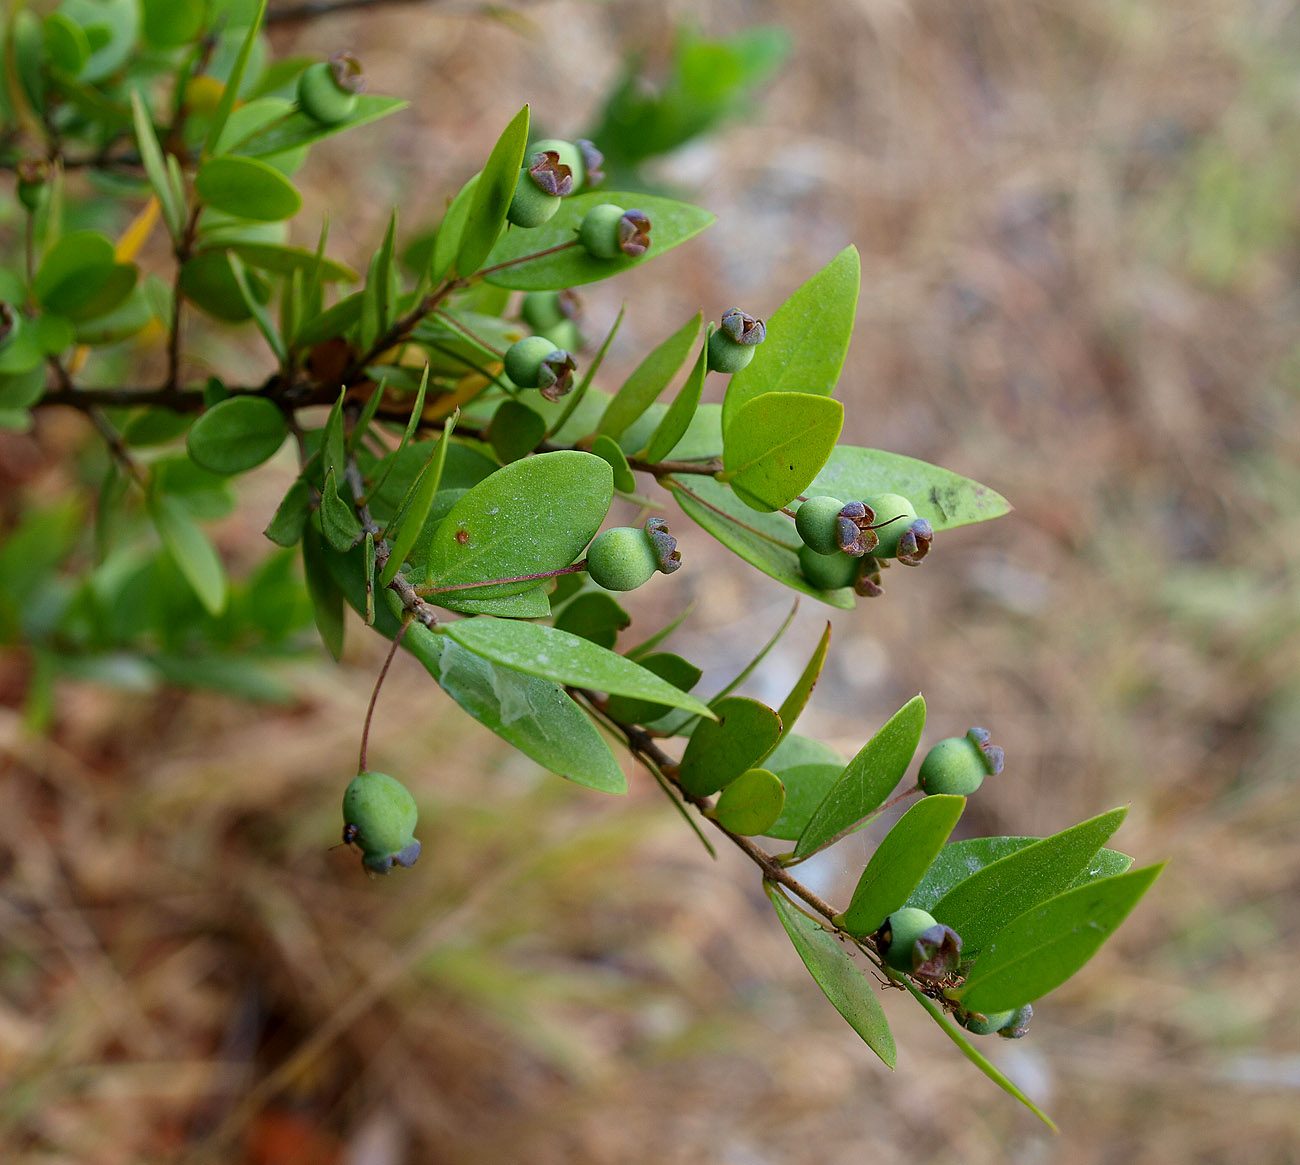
(1079, 233)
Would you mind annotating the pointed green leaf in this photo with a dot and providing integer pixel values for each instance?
(751, 804)
(534, 604)
(776, 445)
(762, 540)
(515, 430)
(868, 780)
(943, 498)
(719, 751)
(650, 378)
(230, 93)
(404, 529)
(980, 906)
(542, 651)
(247, 188)
(606, 448)
(806, 787)
(446, 242)
(529, 517)
(974, 1055)
(282, 260)
(679, 672)
(298, 129)
(677, 420)
(492, 194)
(671, 223)
(190, 550)
(368, 551)
(337, 521)
(155, 168)
(807, 339)
(326, 598)
(1040, 950)
(236, 435)
(838, 975)
(802, 691)
(333, 446)
(898, 864)
(257, 310)
(379, 295)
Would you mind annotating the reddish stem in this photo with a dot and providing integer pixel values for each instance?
(379, 683)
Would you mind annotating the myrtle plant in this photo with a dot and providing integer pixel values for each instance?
(458, 454)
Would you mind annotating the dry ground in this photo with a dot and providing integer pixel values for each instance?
(1078, 224)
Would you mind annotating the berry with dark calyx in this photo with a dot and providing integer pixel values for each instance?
(622, 558)
(541, 186)
(610, 232)
(593, 163)
(984, 1025)
(33, 183)
(732, 346)
(544, 309)
(830, 527)
(902, 534)
(959, 764)
(582, 158)
(327, 90)
(1017, 1027)
(535, 362)
(379, 817)
(911, 941)
(827, 572)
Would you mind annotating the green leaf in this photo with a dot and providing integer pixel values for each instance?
(720, 750)
(230, 92)
(806, 786)
(155, 168)
(900, 861)
(534, 604)
(247, 188)
(868, 780)
(515, 430)
(492, 194)
(777, 443)
(807, 339)
(332, 322)
(208, 280)
(257, 310)
(802, 691)
(671, 222)
(383, 284)
(650, 378)
(679, 672)
(404, 529)
(762, 540)
(836, 972)
(974, 1055)
(529, 517)
(73, 271)
(596, 617)
(326, 598)
(446, 242)
(298, 129)
(751, 804)
(190, 550)
(169, 24)
(66, 45)
(555, 655)
(236, 435)
(112, 28)
(333, 445)
(943, 498)
(606, 448)
(337, 521)
(291, 515)
(1040, 950)
(282, 260)
(110, 294)
(676, 422)
(981, 905)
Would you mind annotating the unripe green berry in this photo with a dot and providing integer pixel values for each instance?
(830, 527)
(379, 816)
(531, 206)
(902, 534)
(732, 346)
(541, 309)
(958, 765)
(622, 558)
(582, 158)
(984, 1025)
(1017, 1027)
(827, 572)
(564, 335)
(327, 90)
(535, 362)
(911, 941)
(610, 232)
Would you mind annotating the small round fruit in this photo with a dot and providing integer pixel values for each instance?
(815, 522)
(902, 534)
(984, 1025)
(827, 572)
(732, 346)
(542, 309)
(327, 90)
(1017, 1027)
(535, 362)
(531, 206)
(959, 764)
(384, 815)
(610, 232)
(622, 558)
(568, 155)
(910, 940)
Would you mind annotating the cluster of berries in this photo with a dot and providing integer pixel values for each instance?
(844, 543)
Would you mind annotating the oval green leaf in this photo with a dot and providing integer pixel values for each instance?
(606, 448)
(73, 271)
(899, 863)
(247, 188)
(671, 223)
(867, 781)
(837, 974)
(751, 804)
(807, 339)
(236, 435)
(596, 617)
(190, 550)
(720, 750)
(550, 654)
(1040, 950)
(776, 445)
(806, 787)
(679, 672)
